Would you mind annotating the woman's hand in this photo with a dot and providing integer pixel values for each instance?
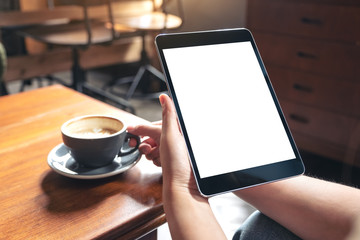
(183, 204)
(164, 144)
(173, 151)
(150, 146)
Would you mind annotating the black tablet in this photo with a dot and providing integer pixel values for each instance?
(235, 131)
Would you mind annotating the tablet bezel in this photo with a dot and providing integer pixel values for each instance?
(227, 182)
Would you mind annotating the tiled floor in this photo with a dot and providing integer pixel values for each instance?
(229, 210)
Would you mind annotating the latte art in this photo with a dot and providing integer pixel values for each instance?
(94, 132)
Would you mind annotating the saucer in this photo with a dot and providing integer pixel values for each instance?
(60, 160)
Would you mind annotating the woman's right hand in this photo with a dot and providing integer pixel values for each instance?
(150, 146)
(166, 147)
(183, 202)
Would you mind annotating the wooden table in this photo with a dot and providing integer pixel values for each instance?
(37, 203)
(42, 16)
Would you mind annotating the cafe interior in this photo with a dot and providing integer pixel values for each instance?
(61, 59)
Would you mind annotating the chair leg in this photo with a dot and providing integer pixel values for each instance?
(144, 68)
(155, 72)
(40, 83)
(3, 89)
(139, 75)
(78, 74)
(51, 79)
(26, 82)
(79, 84)
(119, 102)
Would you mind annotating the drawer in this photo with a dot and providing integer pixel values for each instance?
(316, 90)
(320, 124)
(330, 59)
(304, 18)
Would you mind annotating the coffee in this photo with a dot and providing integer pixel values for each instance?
(94, 132)
(96, 140)
(93, 126)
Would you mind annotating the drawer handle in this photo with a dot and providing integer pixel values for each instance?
(302, 88)
(299, 118)
(301, 54)
(311, 21)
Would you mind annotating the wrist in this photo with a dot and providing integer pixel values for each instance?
(184, 207)
(173, 191)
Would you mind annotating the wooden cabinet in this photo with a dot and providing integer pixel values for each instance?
(311, 50)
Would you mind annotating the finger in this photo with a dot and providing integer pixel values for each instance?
(144, 148)
(157, 162)
(153, 154)
(132, 142)
(145, 130)
(150, 141)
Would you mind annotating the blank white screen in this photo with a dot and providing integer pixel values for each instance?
(229, 114)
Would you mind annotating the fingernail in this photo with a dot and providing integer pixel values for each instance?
(161, 98)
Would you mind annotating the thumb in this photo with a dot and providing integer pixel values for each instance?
(169, 123)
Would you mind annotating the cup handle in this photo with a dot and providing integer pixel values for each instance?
(130, 150)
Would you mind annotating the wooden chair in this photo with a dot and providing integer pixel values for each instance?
(149, 23)
(79, 34)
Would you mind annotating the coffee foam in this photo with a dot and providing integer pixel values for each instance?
(93, 127)
(94, 132)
